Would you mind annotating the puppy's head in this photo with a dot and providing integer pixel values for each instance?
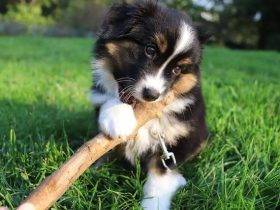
(148, 48)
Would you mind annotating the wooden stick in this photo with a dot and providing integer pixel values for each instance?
(54, 186)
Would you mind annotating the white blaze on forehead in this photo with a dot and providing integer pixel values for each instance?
(186, 38)
(184, 42)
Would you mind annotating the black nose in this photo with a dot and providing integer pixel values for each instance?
(150, 94)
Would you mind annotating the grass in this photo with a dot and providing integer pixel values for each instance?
(45, 116)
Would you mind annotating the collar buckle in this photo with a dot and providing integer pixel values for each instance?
(166, 154)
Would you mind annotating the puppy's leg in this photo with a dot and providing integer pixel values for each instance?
(160, 188)
(116, 119)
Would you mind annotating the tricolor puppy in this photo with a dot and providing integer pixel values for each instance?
(143, 51)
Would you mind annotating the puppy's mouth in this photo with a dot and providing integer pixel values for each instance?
(146, 95)
(127, 93)
(150, 89)
(149, 95)
(125, 98)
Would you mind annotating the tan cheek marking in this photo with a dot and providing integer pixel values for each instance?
(161, 42)
(185, 61)
(185, 83)
(112, 48)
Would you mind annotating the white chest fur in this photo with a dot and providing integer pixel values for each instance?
(146, 139)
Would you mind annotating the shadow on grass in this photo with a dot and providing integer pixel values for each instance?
(42, 120)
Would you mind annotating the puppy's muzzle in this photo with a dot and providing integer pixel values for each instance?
(150, 94)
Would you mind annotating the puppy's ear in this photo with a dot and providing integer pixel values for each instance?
(117, 21)
(203, 33)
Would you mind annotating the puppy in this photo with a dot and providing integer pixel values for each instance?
(143, 51)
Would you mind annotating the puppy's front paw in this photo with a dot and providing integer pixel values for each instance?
(116, 119)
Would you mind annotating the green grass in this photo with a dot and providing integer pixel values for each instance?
(45, 116)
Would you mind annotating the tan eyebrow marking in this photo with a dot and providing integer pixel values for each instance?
(161, 42)
(185, 61)
(112, 48)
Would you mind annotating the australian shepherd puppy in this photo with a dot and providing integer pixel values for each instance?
(142, 51)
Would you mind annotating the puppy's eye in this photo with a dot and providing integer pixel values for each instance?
(185, 69)
(150, 51)
(177, 70)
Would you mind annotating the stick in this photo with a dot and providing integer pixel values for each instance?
(54, 186)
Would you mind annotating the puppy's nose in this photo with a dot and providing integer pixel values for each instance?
(150, 94)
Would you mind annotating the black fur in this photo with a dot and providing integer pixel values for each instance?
(131, 27)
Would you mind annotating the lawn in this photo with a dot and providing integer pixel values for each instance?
(45, 115)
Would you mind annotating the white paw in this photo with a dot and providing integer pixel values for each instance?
(159, 190)
(181, 181)
(117, 119)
